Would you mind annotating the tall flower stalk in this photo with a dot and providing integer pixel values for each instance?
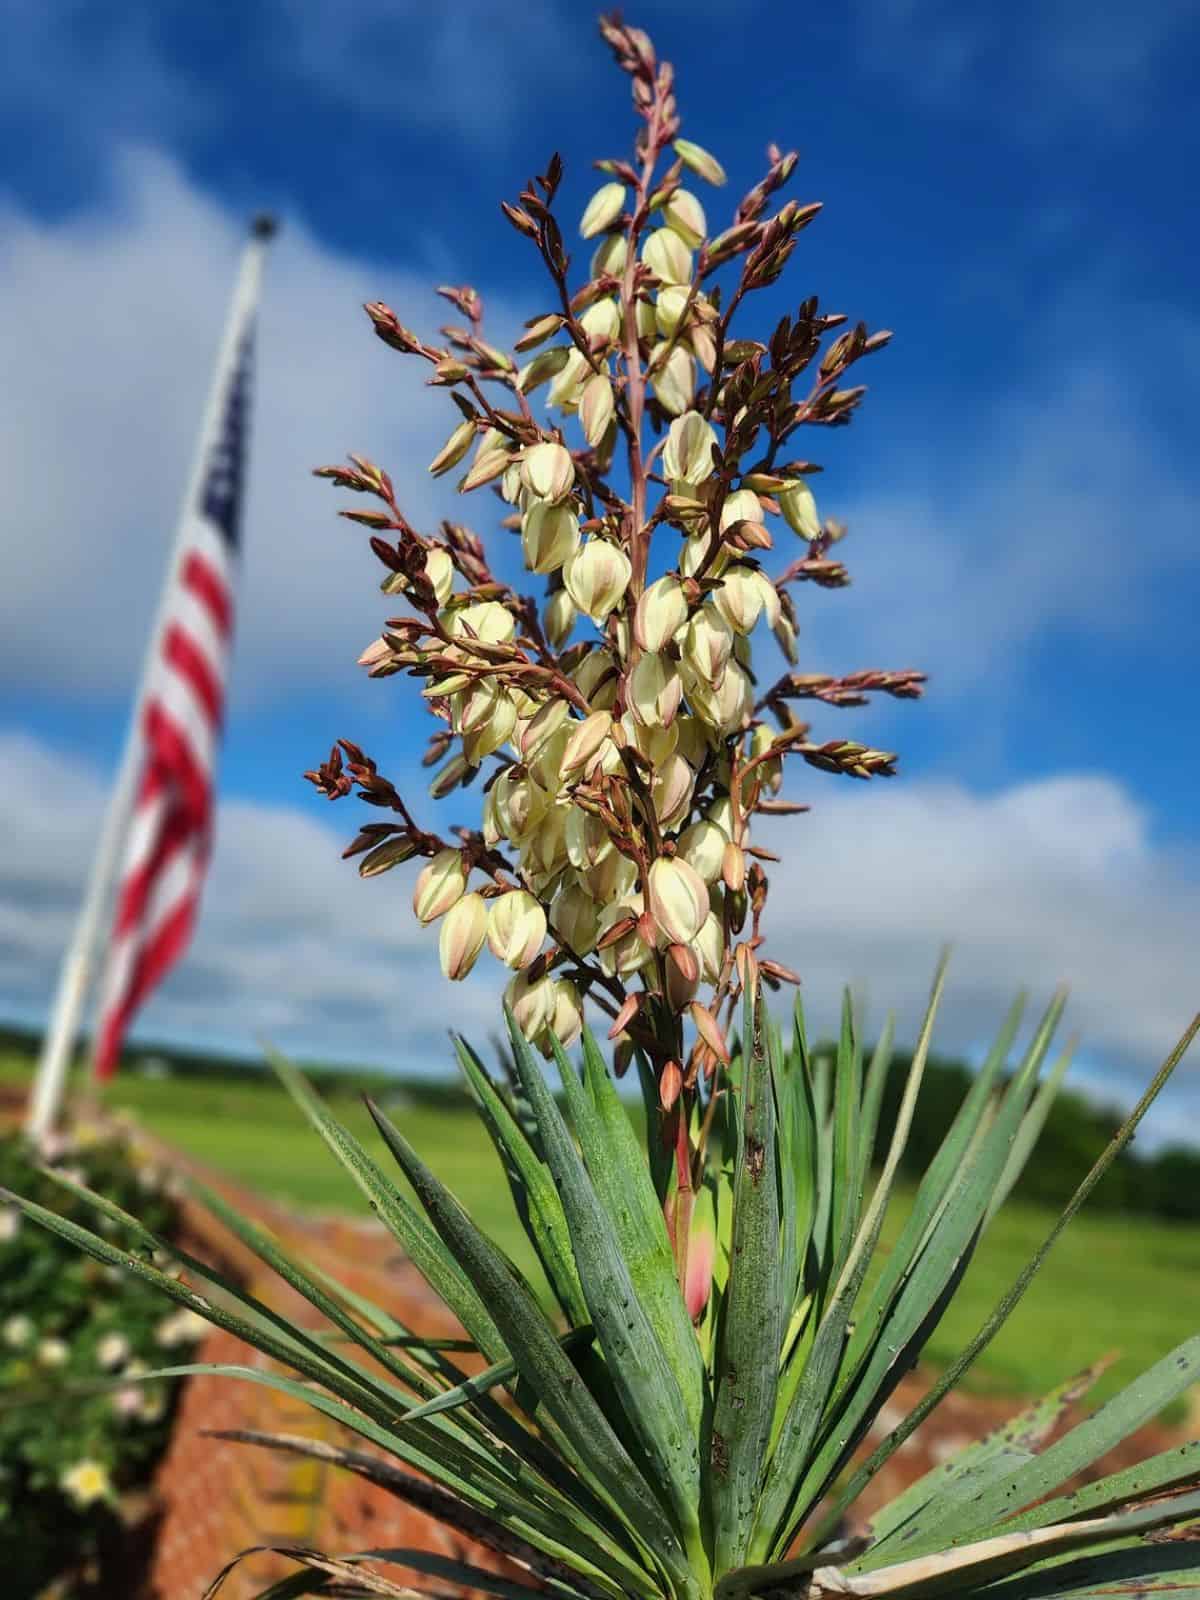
(620, 736)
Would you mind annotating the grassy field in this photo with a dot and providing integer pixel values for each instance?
(1126, 1283)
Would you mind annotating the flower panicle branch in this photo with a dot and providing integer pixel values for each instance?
(613, 727)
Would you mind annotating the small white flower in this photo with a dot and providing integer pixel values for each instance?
(85, 1483)
(10, 1223)
(52, 1353)
(112, 1350)
(17, 1331)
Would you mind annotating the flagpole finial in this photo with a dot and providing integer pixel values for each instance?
(265, 226)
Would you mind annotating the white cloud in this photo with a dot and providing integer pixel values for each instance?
(109, 323)
(1044, 882)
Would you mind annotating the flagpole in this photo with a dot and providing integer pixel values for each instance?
(77, 970)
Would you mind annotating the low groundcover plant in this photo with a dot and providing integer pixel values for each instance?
(687, 1419)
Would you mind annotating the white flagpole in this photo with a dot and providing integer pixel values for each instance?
(77, 970)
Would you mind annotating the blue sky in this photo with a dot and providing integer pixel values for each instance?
(1002, 189)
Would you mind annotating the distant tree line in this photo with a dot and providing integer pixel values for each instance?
(1165, 1183)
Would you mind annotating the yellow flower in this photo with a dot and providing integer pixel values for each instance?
(85, 1483)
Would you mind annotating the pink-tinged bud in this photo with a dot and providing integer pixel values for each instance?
(655, 690)
(516, 928)
(668, 258)
(386, 855)
(672, 789)
(670, 1082)
(549, 536)
(704, 346)
(558, 618)
(743, 505)
(610, 256)
(785, 637)
(439, 570)
(439, 885)
(709, 1030)
(800, 509)
(377, 652)
(574, 916)
(710, 947)
(733, 867)
(701, 1255)
(684, 215)
(688, 453)
(597, 407)
(596, 578)
(454, 449)
(661, 612)
(629, 952)
(677, 899)
(698, 160)
(585, 741)
(540, 328)
(708, 645)
(483, 469)
(541, 727)
(462, 936)
(547, 471)
(674, 381)
(603, 209)
(532, 1004)
(683, 976)
(702, 846)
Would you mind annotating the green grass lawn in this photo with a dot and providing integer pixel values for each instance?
(1124, 1283)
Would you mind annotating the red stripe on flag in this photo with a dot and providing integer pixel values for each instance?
(207, 584)
(181, 652)
(171, 752)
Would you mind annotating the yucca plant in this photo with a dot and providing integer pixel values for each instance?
(679, 1411)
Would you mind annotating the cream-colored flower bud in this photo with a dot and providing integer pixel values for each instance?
(597, 407)
(677, 899)
(532, 1004)
(485, 740)
(661, 612)
(741, 597)
(610, 256)
(707, 644)
(596, 679)
(541, 727)
(692, 739)
(545, 365)
(516, 928)
(558, 618)
(672, 789)
(512, 489)
(668, 258)
(584, 744)
(544, 850)
(483, 469)
(439, 569)
(733, 867)
(575, 918)
(454, 449)
(462, 935)
(743, 505)
(669, 308)
(800, 508)
(700, 161)
(630, 953)
(588, 840)
(702, 846)
(596, 577)
(684, 214)
(476, 704)
(610, 879)
(547, 471)
(734, 700)
(603, 209)
(710, 947)
(785, 637)
(520, 805)
(566, 1018)
(439, 885)
(704, 346)
(655, 690)
(602, 321)
(566, 388)
(549, 536)
(487, 620)
(674, 381)
(688, 453)
(491, 439)
(654, 741)
(644, 318)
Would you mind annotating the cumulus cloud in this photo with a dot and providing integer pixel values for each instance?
(1040, 883)
(110, 320)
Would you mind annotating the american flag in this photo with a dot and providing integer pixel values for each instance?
(171, 828)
